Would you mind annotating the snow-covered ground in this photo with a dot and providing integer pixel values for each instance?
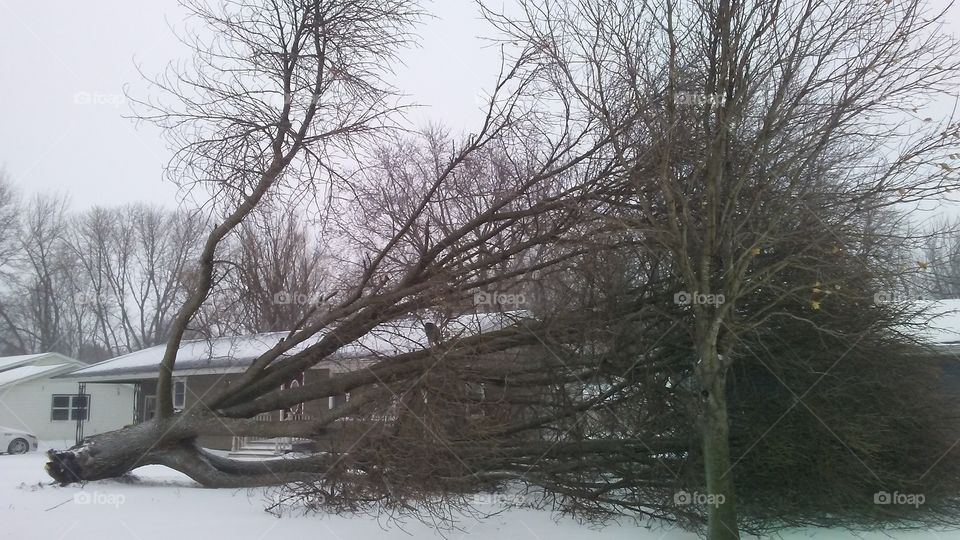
(166, 504)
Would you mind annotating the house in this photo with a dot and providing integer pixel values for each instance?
(938, 325)
(33, 399)
(205, 365)
(939, 322)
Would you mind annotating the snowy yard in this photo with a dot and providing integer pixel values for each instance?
(167, 505)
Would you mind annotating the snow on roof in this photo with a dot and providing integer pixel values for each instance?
(406, 335)
(942, 318)
(11, 361)
(194, 354)
(22, 373)
(235, 353)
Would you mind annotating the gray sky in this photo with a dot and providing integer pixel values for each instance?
(64, 64)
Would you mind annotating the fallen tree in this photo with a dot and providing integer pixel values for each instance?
(612, 402)
(279, 100)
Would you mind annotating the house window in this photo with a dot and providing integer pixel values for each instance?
(339, 401)
(70, 407)
(179, 394)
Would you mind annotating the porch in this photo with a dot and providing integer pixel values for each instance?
(267, 447)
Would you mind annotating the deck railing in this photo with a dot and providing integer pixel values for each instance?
(280, 444)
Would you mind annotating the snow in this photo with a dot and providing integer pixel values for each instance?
(165, 504)
(18, 374)
(194, 354)
(237, 352)
(10, 361)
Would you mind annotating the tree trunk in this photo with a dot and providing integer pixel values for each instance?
(172, 443)
(715, 430)
(108, 455)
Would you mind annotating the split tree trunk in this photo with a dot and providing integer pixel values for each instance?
(172, 443)
(108, 455)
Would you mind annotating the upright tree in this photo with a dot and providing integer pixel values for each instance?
(741, 129)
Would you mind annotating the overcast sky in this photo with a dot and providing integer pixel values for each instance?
(64, 63)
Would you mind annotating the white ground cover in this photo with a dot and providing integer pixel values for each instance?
(166, 505)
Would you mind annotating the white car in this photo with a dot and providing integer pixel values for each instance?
(14, 441)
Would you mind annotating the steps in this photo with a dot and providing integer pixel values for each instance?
(261, 449)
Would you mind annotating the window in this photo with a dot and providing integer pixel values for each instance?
(70, 407)
(179, 394)
(339, 401)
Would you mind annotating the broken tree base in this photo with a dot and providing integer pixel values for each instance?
(116, 453)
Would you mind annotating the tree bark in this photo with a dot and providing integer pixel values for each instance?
(172, 443)
(715, 430)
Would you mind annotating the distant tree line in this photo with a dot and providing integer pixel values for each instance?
(700, 200)
(101, 282)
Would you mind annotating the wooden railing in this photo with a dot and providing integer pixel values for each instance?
(241, 442)
(281, 444)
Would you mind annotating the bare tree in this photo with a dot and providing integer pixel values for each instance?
(325, 59)
(9, 220)
(940, 257)
(279, 276)
(37, 310)
(737, 154)
(740, 128)
(133, 259)
(9, 234)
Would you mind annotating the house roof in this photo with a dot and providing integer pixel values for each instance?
(234, 354)
(6, 362)
(941, 320)
(23, 374)
(26, 367)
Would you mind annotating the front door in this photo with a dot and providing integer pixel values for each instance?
(295, 412)
(149, 407)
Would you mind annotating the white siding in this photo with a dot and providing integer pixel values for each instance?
(26, 406)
